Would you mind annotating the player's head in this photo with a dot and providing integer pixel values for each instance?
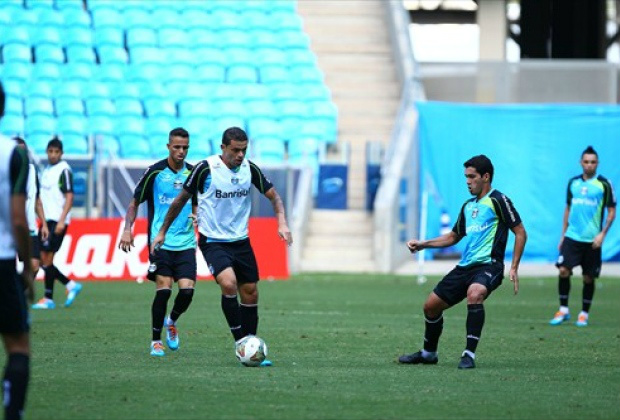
(479, 174)
(234, 146)
(2, 98)
(20, 142)
(589, 161)
(54, 150)
(178, 145)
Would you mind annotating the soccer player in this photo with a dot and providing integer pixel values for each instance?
(583, 234)
(222, 184)
(176, 260)
(485, 219)
(34, 209)
(57, 198)
(14, 288)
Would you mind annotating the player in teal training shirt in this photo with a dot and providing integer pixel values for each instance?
(485, 220)
(583, 233)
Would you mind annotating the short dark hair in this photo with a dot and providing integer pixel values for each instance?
(178, 132)
(589, 151)
(2, 98)
(481, 164)
(54, 143)
(19, 140)
(233, 133)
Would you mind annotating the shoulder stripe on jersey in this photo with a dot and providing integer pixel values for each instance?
(262, 187)
(155, 172)
(23, 171)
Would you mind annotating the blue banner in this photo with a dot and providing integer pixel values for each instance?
(535, 150)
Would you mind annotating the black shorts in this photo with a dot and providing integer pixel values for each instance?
(13, 308)
(35, 248)
(453, 287)
(239, 255)
(175, 264)
(574, 253)
(53, 242)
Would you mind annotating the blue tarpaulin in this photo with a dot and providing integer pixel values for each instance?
(535, 150)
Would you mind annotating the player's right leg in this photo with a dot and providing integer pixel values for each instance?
(563, 313)
(184, 268)
(158, 312)
(47, 258)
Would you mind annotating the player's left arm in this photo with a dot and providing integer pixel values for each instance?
(66, 186)
(610, 203)
(39, 208)
(517, 253)
(266, 187)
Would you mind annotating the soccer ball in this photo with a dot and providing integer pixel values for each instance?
(251, 351)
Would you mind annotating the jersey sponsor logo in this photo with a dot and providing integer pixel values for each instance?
(165, 200)
(478, 228)
(232, 194)
(584, 201)
(509, 207)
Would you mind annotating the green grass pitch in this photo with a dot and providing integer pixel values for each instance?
(334, 340)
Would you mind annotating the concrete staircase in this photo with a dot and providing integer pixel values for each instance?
(352, 44)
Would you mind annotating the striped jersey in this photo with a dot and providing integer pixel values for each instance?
(587, 200)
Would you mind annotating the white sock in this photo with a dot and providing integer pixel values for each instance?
(169, 321)
(70, 285)
(469, 353)
(584, 314)
(564, 309)
(428, 354)
(156, 341)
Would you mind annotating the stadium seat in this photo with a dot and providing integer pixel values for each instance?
(190, 108)
(160, 108)
(301, 57)
(47, 35)
(256, 18)
(255, 91)
(95, 5)
(80, 54)
(264, 38)
(172, 37)
(285, 20)
(12, 53)
(272, 149)
(38, 106)
(107, 144)
(111, 54)
(37, 142)
(128, 90)
(144, 72)
(71, 124)
(13, 87)
(69, 106)
(100, 107)
(260, 127)
(141, 37)
(234, 38)
(285, 6)
(13, 106)
(210, 73)
(303, 148)
(240, 56)
(180, 91)
(199, 147)
(101, 125)
(36, 4)
(138, 18)
(67, 89)
(66, 5)
(78, 36)
(105, 17)
(75, 17)
(78, 71)
(306, 74)
(141, 55)
(225, 18)
(134, 146)
(168, 17)
(111, 72)
(179, 56)
(294, 39)
(95, 90)
(17, 71)
(223, 123)
(196, 19)
(202, 36)
(255, 6)
(129, 107)
(51, 18)
(261, 108)
(211, 55)
(314, 92)
(49, 53)
(226, 91)
(12, 125)
(152, 90)
(197, 126)
(17, 35)
(41, 124)
(178, 73)
(229, 108)
(39, 89)
(283, 92)
(271, 74)
(109, 36)
(242, 74)
(159, 127)
(74, 144)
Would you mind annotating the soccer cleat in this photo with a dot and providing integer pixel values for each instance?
(44, 303)
(559, 317)
(417, 358)
(72, 294)
(467, 362)
(266, 363)
(157, 349)
(582, 320)
(172, 337)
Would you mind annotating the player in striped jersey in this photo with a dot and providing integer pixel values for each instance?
(583, 233)
(222, 185)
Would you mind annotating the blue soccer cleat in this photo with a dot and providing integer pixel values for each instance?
(559, 317)
(582, 320)
(44, 303)
(72, 294)
(172, 337)
(266, 363)
(157, 349)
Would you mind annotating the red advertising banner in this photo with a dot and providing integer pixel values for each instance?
(90, 251)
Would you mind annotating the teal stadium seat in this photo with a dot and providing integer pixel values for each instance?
(75, 17)
(261, 108)
(16, 35)
(107, 144)
(240, 56)
(211, 55)
(49, 53)
(167, 17)
(37, 142)
(269, 150)
(254, 91)
(109, 36)
(141, 37)
(229, 108)
(16, 53)
(129, 125)
(101, 125)
(96, 107)
(221, 124)
(69, 5)
(304, 148)
(273, 74)
(159, 127)
(234, 38)
(210, 73)
(95, 90)
(284, 92)
(16, 71)
(303, 74)
(313, 92)
(143, 55)
(293, 38)
(202, 36)
(286, 20)
(198, 126)
(47, 35)
(78, 35)
(154, 90)
(134, 146)
(129, 107)
(271, 56)
(264, 38)
(36, 4)
(144, 72)
(13, 87)
(178, 73)
(68, 89)
(242, 74)
(74, 144)
(111, 73)
(106, 17)
(172, 37)
(50, 18)
(71, 124)
(179, 56)
(13, 106)
(194, 19)
(111, 54)
(225, 18)
(256, 18)
(12, 125)
(39, 89)
(301, 57)
(127, 90)
(255, 5)
(82, 72)
(38, 106)
(138, 18)
(199, 147)
(42, 124)
(96, 5)
(160, 108)
(69, 106)
(261, 127)
(200, 108)
(81, 54)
